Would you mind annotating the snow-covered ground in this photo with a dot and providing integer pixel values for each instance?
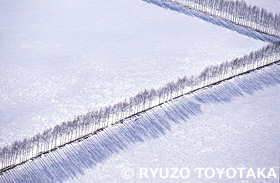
(63, 58)
(232, 125)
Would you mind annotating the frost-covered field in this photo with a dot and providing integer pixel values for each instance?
(62, 59)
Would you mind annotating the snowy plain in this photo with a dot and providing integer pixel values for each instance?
(61, 59)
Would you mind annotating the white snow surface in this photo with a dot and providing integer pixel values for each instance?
(62, 58)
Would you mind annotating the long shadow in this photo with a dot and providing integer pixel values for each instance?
(167, 4)
(240, 86)
(72, 160)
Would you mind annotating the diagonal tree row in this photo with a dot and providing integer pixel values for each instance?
(237, 12)
(84, 125)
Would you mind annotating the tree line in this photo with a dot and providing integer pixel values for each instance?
(237, 12)
(82, 125)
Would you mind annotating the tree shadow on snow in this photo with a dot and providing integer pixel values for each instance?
(72, 160)
(167, 4)
(240, 86)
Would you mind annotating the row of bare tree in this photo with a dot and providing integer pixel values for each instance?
(83, 125)
(238, 12)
